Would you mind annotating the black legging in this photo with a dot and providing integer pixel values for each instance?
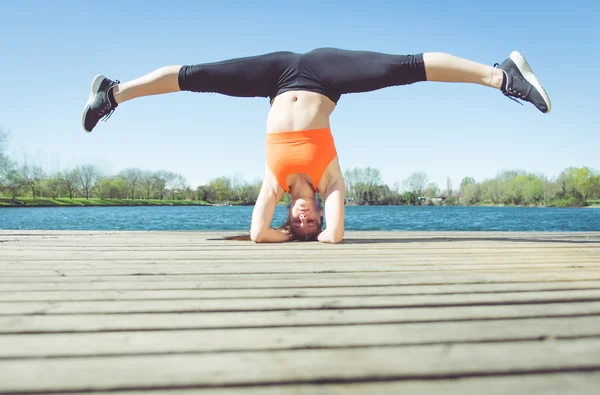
(328, 71)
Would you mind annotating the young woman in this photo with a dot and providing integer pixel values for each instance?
(304, 90)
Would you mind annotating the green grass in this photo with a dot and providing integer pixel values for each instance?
(45, 202)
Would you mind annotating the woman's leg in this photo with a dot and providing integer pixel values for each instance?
(443, 67)
(514, 77)
(256, 76)
(363, 71)
(163, 80)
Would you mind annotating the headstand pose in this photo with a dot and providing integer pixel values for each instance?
(304, 90)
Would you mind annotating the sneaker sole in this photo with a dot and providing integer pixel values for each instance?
(525, 69)
(93, 92)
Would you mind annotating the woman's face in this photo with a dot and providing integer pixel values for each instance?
(305, 217)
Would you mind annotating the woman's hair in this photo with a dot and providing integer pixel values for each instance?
(287, 227)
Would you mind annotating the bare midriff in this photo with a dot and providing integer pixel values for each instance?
(299, 110)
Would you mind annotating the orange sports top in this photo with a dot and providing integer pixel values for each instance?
(307, 152)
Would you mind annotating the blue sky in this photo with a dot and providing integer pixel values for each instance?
(51, 52)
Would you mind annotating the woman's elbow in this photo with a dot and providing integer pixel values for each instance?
(337, 238)
(255, 236)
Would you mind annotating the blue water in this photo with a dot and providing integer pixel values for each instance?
(357, 218)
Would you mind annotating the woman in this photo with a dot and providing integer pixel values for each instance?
(304, 90)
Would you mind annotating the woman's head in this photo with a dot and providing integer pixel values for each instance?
(305, 218)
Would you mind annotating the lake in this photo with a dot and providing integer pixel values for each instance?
(393, 218)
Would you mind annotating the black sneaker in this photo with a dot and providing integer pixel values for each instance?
(98, 106)
(521, 83)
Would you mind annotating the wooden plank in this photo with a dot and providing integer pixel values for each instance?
(303, 366)
(130, 261)
(164, 254)
(319, 281)
(265, 339)
(178, 257)
(546, 384)
(23, 295)
(400, 306)
(317, 278)
(272, 304)
(412, 248)
(433, 244)
(14, 324)
(300, 268)
(361, 236)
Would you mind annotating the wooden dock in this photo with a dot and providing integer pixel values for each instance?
(381, 313)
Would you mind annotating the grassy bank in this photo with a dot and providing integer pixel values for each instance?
(49, 202)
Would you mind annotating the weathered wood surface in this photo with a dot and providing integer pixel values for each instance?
(381, 313)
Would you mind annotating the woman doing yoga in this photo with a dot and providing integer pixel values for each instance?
(304, 89)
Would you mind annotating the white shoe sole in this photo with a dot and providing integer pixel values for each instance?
(524, 68)
(93, 92)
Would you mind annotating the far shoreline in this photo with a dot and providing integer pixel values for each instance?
(42, 203)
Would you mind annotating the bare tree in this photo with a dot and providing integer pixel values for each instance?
(351, 178)
(31, 175)
(88, 176)
(162, 179)
(362, 183)
(5, 162)
(372, 180)
(449, 186)
(148, 182)
(417, 182)
(55, 185)
(399, 187)
(70, 179)
(133, 177)
(178, 184)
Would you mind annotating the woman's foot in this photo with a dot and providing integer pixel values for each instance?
(99, 105)
(521, 83)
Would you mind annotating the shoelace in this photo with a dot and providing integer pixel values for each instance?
(505, 93)
(106, 115)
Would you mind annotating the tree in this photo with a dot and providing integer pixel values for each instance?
(399, 187)
(133, 177)
(14, 182)
(55, 185)
(222, 187)
(362, 183)
(6, 164)
(148, 182)
(31, 175)
(449, 186)
(177, 183)
(161, 180)
(585, 181)
(207, 193)
(248, 193)
(351, 177)
(88, 176)
(111, 187)
(466, 181)
(471, 193)
(70, 180)
(417, 182)
(492, 191)
(432, 190)
(410, 198)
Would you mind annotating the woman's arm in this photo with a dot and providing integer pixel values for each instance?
(262, 215)
(334, 212)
